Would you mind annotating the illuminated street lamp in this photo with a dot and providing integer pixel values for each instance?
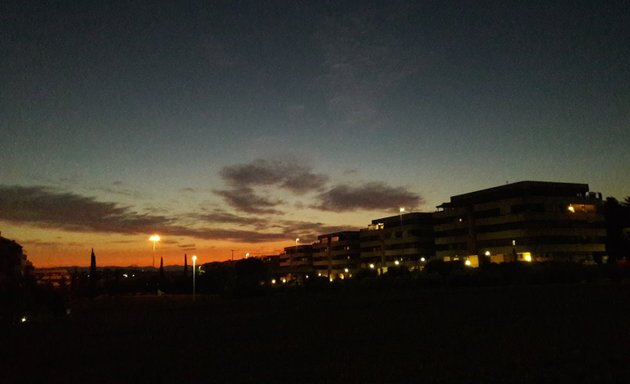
(402, 210)
(194, 260)
(154, 239)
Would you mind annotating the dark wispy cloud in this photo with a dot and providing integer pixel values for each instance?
(187, 247)
(50, 208)
(244, 199)
(289, 174)
(46, 207)
(219, 216)
(368, 196)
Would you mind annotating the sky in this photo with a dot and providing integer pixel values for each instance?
(238, 126)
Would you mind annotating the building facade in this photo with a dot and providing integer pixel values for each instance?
(337, 255)
(402, 240)
(296, 262)
(524, 221)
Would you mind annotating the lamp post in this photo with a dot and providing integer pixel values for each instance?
(154, 239)
(194, 260)
(402, 210)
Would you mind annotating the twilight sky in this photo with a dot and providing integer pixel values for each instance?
(242, 125)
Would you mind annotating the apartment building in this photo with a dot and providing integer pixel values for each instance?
(296, 262)
(524, 221)
(405, 239)
(337, 255)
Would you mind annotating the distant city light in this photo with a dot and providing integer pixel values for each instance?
(397, 262)
(423, 259)
(371, 266)
(571, 208)
(468, 263)
(23, 319)
(273, 281)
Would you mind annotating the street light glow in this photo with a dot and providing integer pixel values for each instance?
(154, 239)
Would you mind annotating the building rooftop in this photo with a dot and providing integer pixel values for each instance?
(521, 188)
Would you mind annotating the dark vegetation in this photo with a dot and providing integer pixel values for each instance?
(521, 333)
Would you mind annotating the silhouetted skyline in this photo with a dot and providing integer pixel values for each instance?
(241, 125)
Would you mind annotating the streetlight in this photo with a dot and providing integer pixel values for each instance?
(402, 210)
(194, 259)
(154, 239)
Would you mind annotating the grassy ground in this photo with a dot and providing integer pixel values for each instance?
(524, 334)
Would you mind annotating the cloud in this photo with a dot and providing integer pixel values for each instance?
(368, 196)
(288, 174)
(221, 217)
(49, 208)
(187, 247)
(246, 200)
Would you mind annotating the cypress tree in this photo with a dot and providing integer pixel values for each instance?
(185, 264)
(92, 281)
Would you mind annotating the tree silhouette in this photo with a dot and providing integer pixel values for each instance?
(92, 275)
(185, 264)
(617, 221)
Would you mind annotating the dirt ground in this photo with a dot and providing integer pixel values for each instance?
(520, 334)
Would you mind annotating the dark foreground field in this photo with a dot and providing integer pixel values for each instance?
(524, 334)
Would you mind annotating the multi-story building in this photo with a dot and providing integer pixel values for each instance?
(337, 255)
(528, 221)
(405, 239)
(296, 262)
